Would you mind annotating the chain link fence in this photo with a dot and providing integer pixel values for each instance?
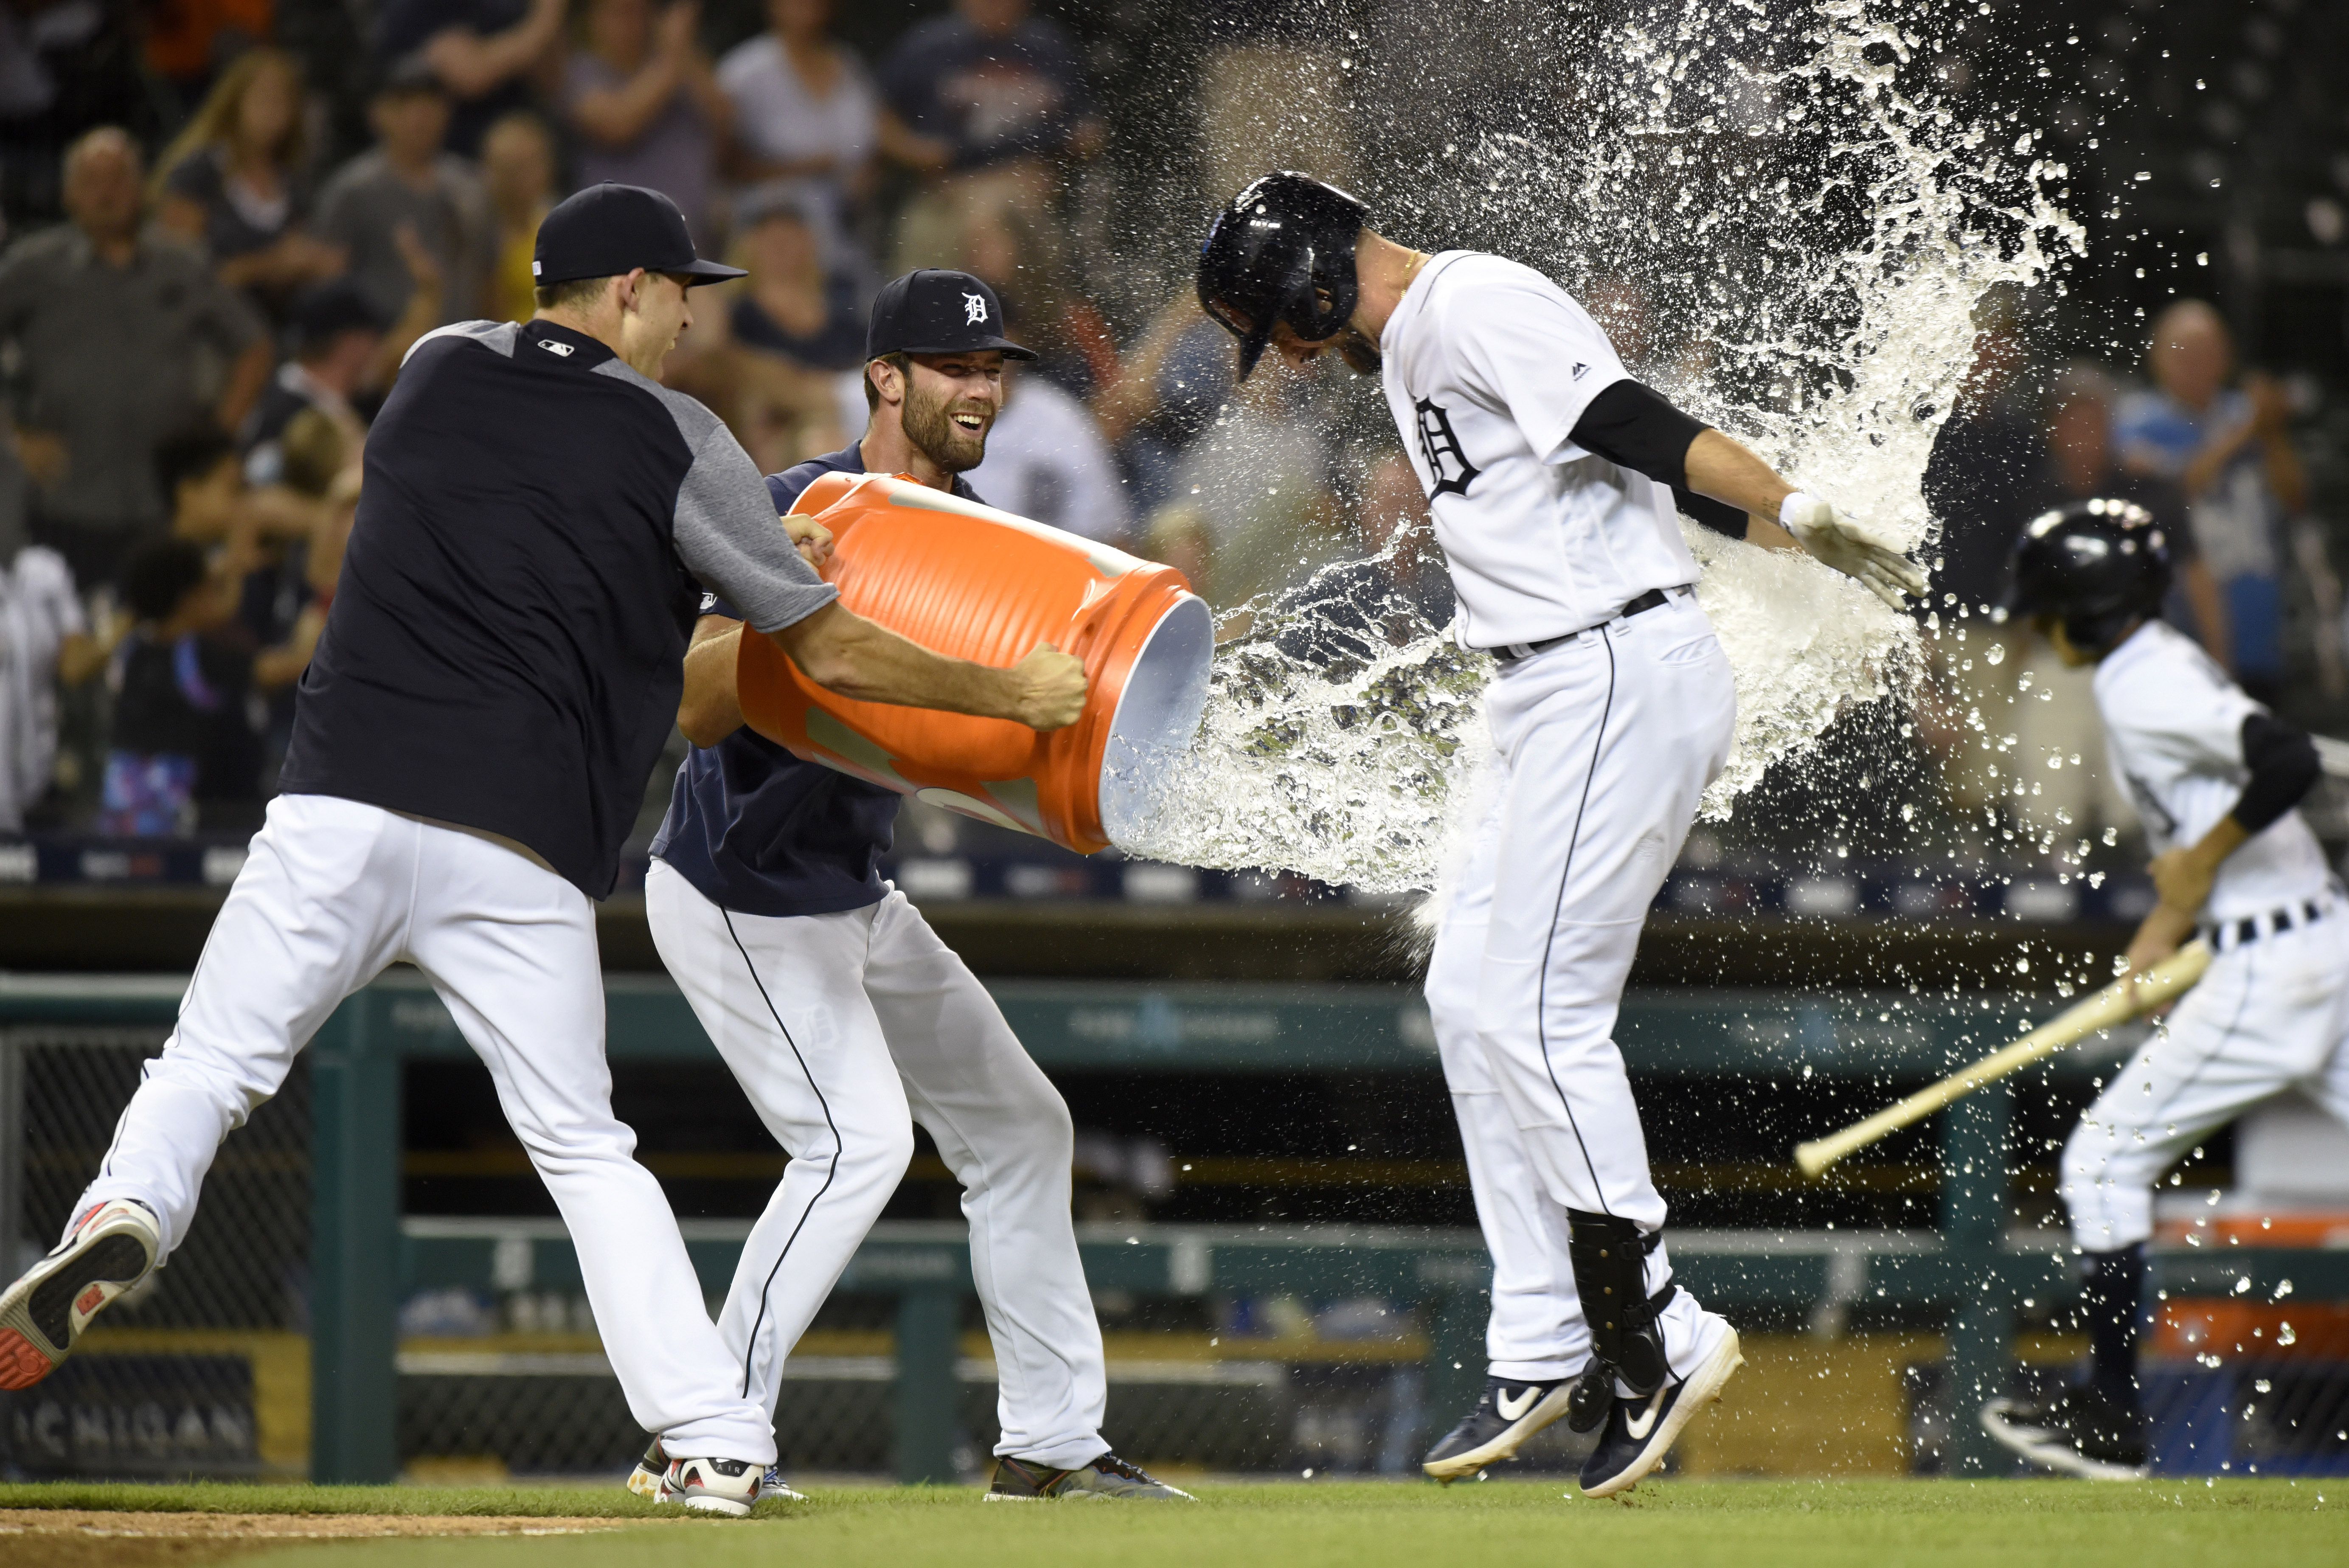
(559, 1414)
(204, 1371)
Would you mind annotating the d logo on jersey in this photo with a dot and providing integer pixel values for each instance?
(1447, 465)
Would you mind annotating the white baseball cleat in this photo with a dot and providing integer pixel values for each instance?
(112, 1248)
(713, 1485)
(645, 1481)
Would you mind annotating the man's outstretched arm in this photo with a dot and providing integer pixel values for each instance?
(1635, 427)
(842, 651)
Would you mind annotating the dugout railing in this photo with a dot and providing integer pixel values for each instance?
(336, 1302)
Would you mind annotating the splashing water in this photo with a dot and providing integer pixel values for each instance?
(1774, 197)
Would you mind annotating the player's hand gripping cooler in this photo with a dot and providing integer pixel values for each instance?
(969, 581)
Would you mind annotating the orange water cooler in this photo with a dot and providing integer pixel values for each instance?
(976, 583)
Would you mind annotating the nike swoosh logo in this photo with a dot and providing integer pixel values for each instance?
(1646, 1423)
(1513, 1409)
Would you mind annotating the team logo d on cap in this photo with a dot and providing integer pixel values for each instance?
(608, 230)
(934, 311)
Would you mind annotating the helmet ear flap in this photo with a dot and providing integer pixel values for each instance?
(1334, 272)
(1298, 307)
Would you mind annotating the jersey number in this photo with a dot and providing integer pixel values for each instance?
(1447, 463)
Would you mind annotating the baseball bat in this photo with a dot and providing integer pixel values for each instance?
(2117, 1002)
(2331, 755)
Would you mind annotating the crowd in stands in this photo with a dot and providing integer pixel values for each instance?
(198, 319)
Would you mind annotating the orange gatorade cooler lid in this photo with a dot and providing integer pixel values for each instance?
(975, 582)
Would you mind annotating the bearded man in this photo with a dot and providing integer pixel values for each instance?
(843, 1016)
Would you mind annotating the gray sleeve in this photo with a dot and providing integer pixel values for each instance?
(728, 536)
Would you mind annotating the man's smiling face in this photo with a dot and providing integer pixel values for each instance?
(951, 402)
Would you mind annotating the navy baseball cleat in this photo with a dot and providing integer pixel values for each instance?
(1503, 1419)
(1640, 1432)
(2079, 1431)
(1108, 1477)
(112, 1248)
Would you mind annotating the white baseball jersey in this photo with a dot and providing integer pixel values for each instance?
(2174, 727)
(1489, 366)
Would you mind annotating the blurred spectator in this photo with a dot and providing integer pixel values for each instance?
(184, 755)
(2080, 445)
(1046, 460)
(232, 182)
(805, 113)
(1397, 592)
(1163, 396)
(1398, 537)
(646, 106)
(1021, 255)
(188, 41)
(118, 341)
(483, 53)
(1178, 536)
(43, 642)
(2230, 450)
(64, 65)
(202, 482)
(792, 304)
(780, 359)
(292, 551)
(408, 185)
(1261, 479)
(344, 358)
(1989, 460)
(990, 85)
(991, 102)
(518, 171)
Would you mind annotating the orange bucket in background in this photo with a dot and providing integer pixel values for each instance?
(969, 581)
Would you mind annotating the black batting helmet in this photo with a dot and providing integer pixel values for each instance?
(2096, 566)
(1282, 238)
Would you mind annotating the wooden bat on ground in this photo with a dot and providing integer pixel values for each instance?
(2117, 1002)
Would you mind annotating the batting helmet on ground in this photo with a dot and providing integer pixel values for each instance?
(1281, 240)
(2097, 566)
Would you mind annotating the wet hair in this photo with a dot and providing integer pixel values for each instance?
(160, 575)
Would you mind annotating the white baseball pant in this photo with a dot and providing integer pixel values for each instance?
(1601, 747)
(845, 1030)
(2266, 1016)
(333, 893)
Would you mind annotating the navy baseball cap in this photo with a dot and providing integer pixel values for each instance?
(934, 311)
(610, 228)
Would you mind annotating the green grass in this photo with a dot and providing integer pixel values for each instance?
(1670, 1524)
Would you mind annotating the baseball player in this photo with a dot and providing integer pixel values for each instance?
(499, 670)
(843, 1015)
(1552, 478)
(2216, 779)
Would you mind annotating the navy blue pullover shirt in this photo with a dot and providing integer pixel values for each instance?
(503, 653)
